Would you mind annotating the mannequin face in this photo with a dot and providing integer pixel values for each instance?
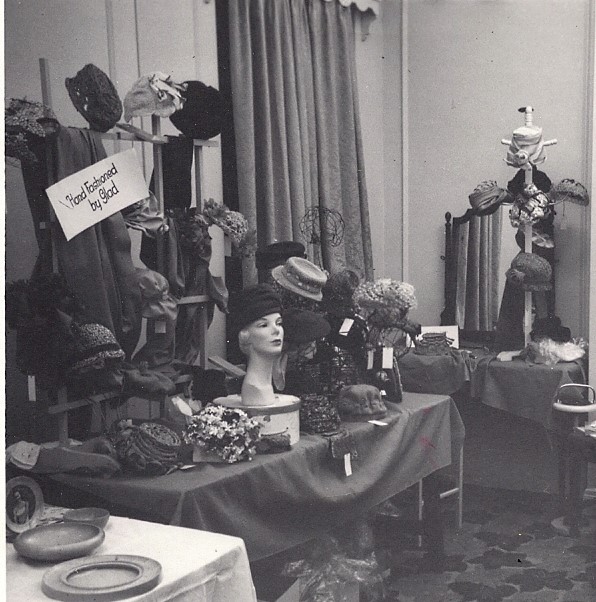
(264, 336)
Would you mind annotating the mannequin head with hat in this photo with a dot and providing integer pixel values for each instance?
(256, 312)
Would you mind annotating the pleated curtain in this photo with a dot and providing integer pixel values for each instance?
(478, 272)
(297, 126)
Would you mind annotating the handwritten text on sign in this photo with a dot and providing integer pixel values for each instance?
(98, 191)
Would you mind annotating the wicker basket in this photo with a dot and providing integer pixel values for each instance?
(433, 343)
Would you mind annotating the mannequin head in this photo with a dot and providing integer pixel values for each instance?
(263, 337)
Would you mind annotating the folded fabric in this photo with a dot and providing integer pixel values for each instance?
(144, 216)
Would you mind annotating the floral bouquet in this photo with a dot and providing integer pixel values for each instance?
(228, 433)
(384, 303)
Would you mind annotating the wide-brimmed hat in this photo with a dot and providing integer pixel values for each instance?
(531, 272)
(93, 345)
(277, 253)
(202, 113)
(302, 277)
(94, 96)
(360, 402)
(253, 303)
(303, 326)
(487, 197)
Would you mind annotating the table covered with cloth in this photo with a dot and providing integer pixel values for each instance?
(278, 501)
(446, 374)
(524, 388)
(197, 566)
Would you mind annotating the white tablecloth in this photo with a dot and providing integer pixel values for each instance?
(196, 565)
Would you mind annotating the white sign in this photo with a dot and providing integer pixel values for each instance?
(98, 191)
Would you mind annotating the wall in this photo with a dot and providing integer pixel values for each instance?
(470, 65)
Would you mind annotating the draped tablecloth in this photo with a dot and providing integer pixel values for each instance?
(523, 388)
(281, 500)
(442, 374)
(197, 566)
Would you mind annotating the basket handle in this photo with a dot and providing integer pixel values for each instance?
(578, 409)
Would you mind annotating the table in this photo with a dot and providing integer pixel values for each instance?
(196, 565)
(523, 388)
(278, 501)
(441, 374)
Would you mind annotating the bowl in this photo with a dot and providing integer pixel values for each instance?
(89, 516)
(60, 541)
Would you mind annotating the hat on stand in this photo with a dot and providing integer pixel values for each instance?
(201, 116)
(531, 272)
(253, 303)
(302, 277)
(94, 96)
(277, 253)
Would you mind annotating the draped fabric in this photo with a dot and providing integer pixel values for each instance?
(477, 248)
(297, 125)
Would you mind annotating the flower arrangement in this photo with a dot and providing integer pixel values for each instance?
(227, 432)
(384, 302)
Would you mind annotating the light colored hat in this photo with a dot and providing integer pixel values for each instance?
(302, 277)
(153, 94)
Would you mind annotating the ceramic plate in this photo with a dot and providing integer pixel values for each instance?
(101, 578)
(24, 504)
(60, 541)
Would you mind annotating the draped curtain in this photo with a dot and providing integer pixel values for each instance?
(477, 248)
(297, 125)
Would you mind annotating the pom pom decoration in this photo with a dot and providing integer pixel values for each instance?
(226, 432)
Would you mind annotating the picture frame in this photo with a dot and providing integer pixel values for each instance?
(24, 504)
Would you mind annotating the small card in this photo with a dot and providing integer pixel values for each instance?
(160, 326)
(378, 423)
(383, 393)
(370, 358)
(348, 464)
(346, 326)
(387, 358)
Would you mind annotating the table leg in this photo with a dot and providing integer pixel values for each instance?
(432, 521)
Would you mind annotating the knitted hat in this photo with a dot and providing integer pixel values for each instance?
(531, 272)
(487, 197)
(277, 253)
(301, 276)
(253, 303)
(153, 94)
(338, 292)
(95, 97)
(361, 402)
(318, 414)
(570, 190)
(304, 326)
(202, 113)
(93, 343)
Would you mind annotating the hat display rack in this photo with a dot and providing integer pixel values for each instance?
(63, 405)
(526, 163)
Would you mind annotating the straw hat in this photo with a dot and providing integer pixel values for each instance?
(301, 276)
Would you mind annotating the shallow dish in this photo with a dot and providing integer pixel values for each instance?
(60, 541)
(101, 578)
(89, 516)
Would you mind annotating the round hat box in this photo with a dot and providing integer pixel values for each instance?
(283, 416)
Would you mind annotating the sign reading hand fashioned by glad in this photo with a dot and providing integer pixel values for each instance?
(98, 191)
